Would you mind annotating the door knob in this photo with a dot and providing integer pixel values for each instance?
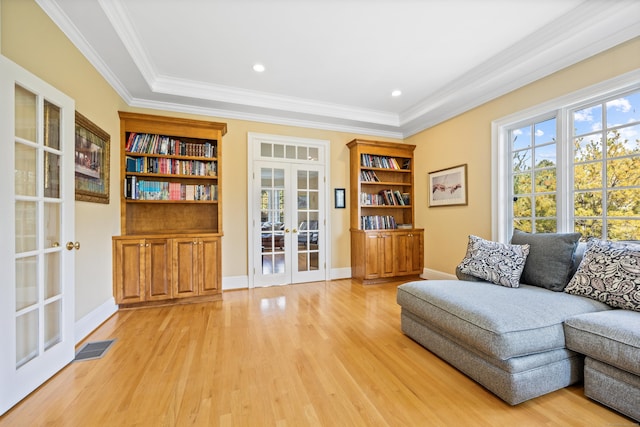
(295, 230)
(71, 245)
(286, 230)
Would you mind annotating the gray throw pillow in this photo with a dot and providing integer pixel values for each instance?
(550, 260)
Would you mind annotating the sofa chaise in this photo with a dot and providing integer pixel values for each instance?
(530, 336)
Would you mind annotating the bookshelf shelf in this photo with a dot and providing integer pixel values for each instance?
(169, 249)
(385, 244)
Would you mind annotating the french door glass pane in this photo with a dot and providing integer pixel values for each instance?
(26, 337)
(308, 213)
(26, 282)
(26, 226)
(25, 170)
(52, 323)
(52, 224)
(25, 122)
(51, 175)
(52, 274)
(52, 126)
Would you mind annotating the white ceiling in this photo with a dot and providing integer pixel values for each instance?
(332, 64)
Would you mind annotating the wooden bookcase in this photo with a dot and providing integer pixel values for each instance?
(385, 244)
(169, 249)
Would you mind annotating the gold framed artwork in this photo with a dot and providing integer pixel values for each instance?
(91, 161)
(448, 187)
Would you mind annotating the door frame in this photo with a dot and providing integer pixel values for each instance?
(254, 140)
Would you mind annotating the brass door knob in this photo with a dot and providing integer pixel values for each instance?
(70, 245)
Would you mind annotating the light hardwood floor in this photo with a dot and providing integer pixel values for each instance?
(316, 354)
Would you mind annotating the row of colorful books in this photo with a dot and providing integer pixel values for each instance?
(166, 166)
(378, 222)
(166, 145)
(136, 189)
(385, 198)
(383, 162)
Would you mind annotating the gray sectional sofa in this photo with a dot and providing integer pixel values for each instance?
(524, 341)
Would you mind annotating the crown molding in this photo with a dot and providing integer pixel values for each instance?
(55, 13)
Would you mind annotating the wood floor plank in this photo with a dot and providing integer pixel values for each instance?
(315, 354)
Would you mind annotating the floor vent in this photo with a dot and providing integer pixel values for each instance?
(93, 350)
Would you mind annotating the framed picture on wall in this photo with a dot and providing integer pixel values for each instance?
(448, 187)
(91, 161)
(340, 201)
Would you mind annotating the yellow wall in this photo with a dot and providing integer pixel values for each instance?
(467, 139)
(30, 39)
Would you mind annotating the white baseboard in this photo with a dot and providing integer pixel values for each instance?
(340, 273)
(437, 275)
(83, 327)
(235, 282)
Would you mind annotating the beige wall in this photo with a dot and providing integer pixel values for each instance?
(30, 39)
(467, 139)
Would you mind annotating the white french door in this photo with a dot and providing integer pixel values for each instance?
(37, 230)
(287, 207)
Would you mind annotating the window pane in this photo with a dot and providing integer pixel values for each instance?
(623, 229)
(521, 138)
(522, 225)
(52, 125)
(546, 181)
(291, 151)
(623, 110)
(587, 120)
(26, 282)
(546, 156)
(522, 184)
(522, 161)
(25, 121)
(522, 207)
(623, 141)
(588, 148)
(313, 153)
(546, 206)
(588, 228)
(26, 226)
(52, 324)
(545, 131)
(26, 337)
(278, 151)
(623, 172)
(265, 149)
(587, 203)
(546, 226)
(587, 176)
(624, 203)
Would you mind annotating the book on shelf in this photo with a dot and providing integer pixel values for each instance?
(137, 189)
(368, 176)
(377, 222)
(165, 145)
(375, 161)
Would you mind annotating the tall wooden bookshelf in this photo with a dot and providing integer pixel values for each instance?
(385, 244)
(169, 249)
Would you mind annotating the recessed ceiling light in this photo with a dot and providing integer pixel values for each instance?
(258, 68)
(396, 93)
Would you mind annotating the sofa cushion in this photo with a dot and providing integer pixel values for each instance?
(609, 272)
(495, 262)
(495, 320)
(612, 337)
(550, 258)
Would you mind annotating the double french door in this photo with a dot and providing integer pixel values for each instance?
(289, 239)
(37, 211)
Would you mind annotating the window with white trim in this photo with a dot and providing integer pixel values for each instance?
(571, 165)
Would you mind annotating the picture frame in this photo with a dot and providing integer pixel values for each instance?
(340, 198)
(92, 151)
(448, 187)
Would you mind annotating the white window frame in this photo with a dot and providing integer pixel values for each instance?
(501, 213)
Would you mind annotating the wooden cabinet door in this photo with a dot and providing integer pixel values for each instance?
(158, 262)
(385, 252)
(408, 252)
(209, 265)
(128, 270)
(372, 264)
(185, 277)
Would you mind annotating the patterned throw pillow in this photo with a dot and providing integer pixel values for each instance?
(609, 273)
(495, 262)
